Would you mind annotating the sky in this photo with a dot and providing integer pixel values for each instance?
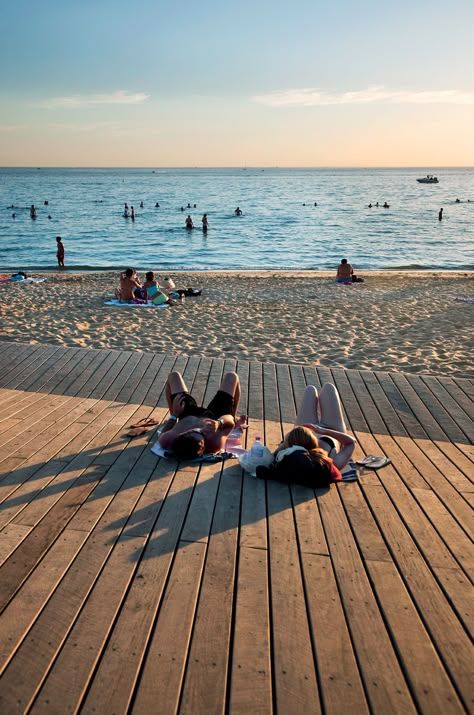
(161, 83)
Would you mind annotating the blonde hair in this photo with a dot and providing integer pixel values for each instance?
(304, 437)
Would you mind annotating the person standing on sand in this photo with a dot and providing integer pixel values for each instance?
(440, 215)
(60, 252)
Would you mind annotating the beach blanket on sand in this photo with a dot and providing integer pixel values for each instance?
(118, 304)
(465, 299)
(23, 281)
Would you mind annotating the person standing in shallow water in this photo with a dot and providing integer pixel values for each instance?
(205, 223)
(60, 252)
(440, 215)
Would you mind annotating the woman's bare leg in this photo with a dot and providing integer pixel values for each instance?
(174, 384)
(331, 409)
(308, 408)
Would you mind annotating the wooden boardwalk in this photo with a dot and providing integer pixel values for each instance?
(130, 586)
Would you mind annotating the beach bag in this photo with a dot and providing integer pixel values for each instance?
(168, 283)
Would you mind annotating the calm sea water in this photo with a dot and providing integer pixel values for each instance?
(280, 226)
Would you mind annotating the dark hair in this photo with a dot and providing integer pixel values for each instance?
(150, 276)
(185, 446)
(343, 260)
(308, 468)
(129, 272)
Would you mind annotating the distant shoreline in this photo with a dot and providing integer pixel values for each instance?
(264, 272)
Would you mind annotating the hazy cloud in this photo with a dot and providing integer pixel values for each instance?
(372, 95)
(122, 96)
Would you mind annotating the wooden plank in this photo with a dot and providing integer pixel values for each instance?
(19, 565)
(139, 394)
(42, 381)
(28, 367)
(134, 379)
(123, 376)
(250, 688)
(445, 629)
(438, 410)
(163, 669)
(458, 470)
(17, 354)
(401, 406)
(205, 682)
(421, 411)
(63, 687)
(100, 381)
(20, 681)
(339, 679)
(380, 398)
(253, 525)
(21, 613)
(76, 387)
(352, 409)
(383, 678)
(10, 537)
(428, 681)
(243, 370)
(293, 660)
(117, 672)
(456, 403)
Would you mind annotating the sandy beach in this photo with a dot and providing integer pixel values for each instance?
(395, 321)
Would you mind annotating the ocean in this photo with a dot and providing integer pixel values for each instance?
(280, 227)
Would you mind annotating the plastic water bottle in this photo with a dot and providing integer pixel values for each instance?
(256, 449)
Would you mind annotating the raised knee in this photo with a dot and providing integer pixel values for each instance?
(329, 389)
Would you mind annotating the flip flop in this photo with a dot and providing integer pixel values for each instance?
(146, 422)
(137, 431)
(374, 462)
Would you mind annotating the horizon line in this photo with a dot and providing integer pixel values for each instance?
(244, 168)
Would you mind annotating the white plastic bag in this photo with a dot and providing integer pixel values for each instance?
(249, 462)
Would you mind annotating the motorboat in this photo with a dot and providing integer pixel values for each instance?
(428, 179)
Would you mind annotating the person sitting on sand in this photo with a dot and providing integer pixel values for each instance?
(152, 292)
(192, 431)
(344, 272)
(318, 446)
(129, 283)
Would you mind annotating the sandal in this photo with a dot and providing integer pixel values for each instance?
(146, 422)
(137, 431)
(374, 462)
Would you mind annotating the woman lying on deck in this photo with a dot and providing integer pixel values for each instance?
(318, 446)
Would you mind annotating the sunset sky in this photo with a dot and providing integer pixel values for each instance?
(254, 83)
